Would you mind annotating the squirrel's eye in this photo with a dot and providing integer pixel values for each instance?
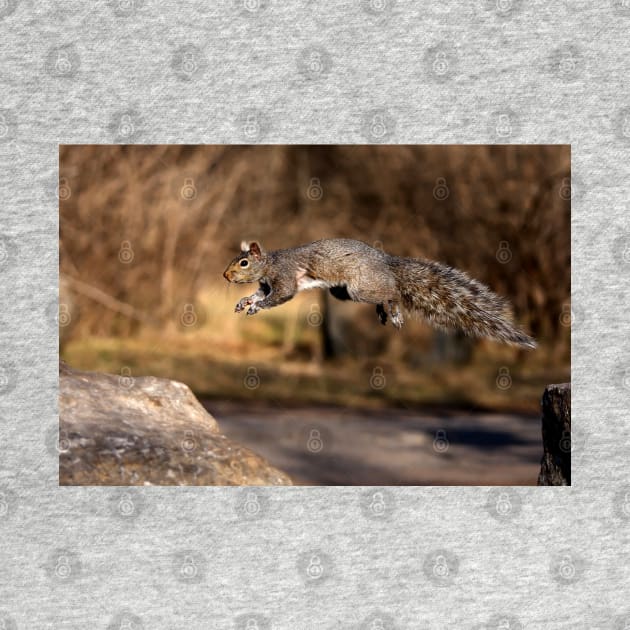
(244, 263)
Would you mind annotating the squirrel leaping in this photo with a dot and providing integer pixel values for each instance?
(352, 270)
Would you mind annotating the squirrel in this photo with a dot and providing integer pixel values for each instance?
(353, 270)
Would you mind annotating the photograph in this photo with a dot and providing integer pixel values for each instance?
(315, 315)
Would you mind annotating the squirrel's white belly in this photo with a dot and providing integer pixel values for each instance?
(312, 283)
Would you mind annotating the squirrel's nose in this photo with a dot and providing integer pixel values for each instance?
(225, 275)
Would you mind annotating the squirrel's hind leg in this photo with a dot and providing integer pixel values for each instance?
(396, 314)
(381, 313)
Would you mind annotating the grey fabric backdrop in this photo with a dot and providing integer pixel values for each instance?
(265, 71)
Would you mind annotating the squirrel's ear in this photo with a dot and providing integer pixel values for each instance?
(255, 249)
(244, 246)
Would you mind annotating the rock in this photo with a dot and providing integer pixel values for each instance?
(124, 430)
(555, 467)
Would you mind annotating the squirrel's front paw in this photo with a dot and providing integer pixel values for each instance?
(242, 304)
(253, 309)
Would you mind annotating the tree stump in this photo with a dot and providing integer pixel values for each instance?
(555, 467)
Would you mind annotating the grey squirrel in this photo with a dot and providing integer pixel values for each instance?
(352, 270)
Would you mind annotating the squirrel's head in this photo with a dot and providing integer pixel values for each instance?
(248, 265)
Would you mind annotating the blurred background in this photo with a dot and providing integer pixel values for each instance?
(318, 386)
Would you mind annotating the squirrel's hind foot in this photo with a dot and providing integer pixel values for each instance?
(396, 314)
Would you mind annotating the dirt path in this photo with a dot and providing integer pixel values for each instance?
(337, 446)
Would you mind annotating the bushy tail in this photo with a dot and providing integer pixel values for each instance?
(449, 299)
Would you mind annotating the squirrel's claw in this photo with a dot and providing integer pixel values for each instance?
(242, 304)
(253, 309)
